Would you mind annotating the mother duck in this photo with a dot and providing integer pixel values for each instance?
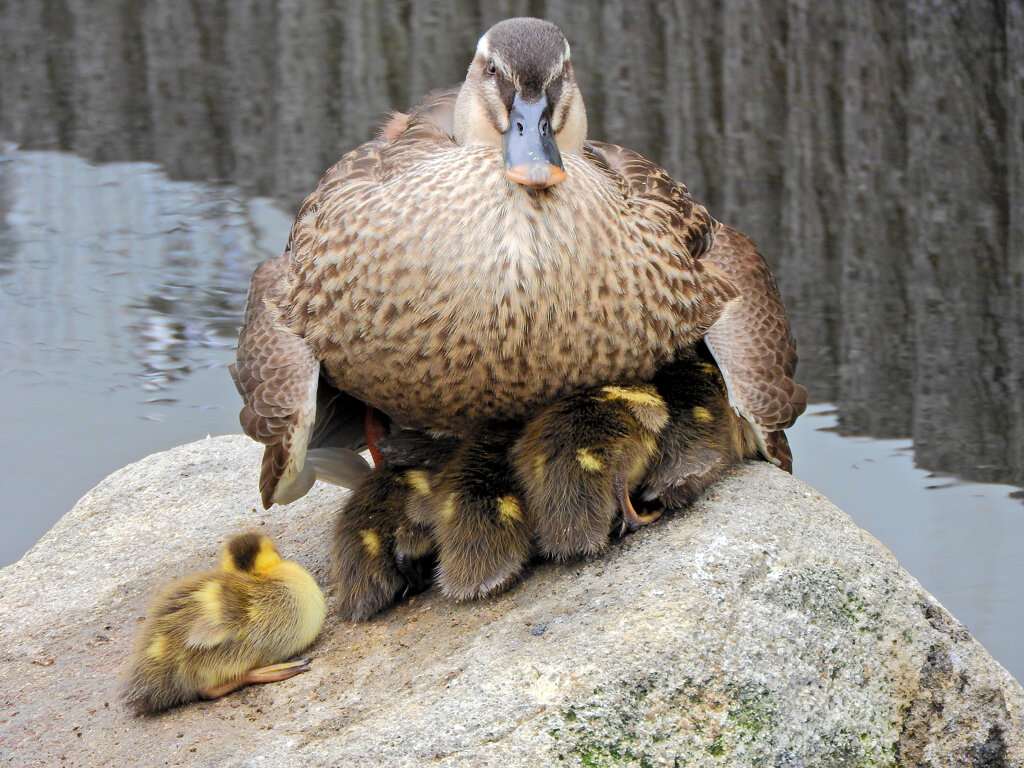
(480, 259)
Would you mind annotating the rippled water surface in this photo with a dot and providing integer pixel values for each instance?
(121, 295)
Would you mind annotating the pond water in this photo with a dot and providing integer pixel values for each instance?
(121, 296)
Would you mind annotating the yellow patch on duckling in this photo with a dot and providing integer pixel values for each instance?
(649, 444)
(209, 597)
(702, 414)
(539, 461)
(447, 511)
(419, 481)
(633, 396)
(588, 461)
(509, 509)
(157, 647)
(371, 541)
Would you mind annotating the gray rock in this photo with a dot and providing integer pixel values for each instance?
(762, 629)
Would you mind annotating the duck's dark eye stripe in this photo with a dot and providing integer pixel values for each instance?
(507, 92)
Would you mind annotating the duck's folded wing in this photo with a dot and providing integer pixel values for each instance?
(309, 428)
(753, 345)
(666, 200)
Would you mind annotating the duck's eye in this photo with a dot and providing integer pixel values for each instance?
(491, 69)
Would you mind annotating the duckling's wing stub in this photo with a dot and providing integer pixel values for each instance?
(287, 407)
(752, 341)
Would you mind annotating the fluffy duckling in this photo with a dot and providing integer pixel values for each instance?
(578, 460)
(477, 516)
(434, 494)
(704, 435)
(379, 551)
(214, 632)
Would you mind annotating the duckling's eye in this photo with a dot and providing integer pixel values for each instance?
(491, 69)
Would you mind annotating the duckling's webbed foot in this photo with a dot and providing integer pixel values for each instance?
(631, 520)
(483, 537)
(373, 536)
(273, 673)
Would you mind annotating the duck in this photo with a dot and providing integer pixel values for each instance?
(382, 546)
(211, 633)
(459, 495)
(578, 460)
(482, 258)
(477, 515)
(557, 486)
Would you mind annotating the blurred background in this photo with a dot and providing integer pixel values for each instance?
(152, 153)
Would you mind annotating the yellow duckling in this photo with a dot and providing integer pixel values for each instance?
(477, 516)
(214, 632)
(578, 460)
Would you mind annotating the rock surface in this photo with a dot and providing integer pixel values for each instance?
(762, 629)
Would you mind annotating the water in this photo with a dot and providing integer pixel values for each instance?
(120, 297)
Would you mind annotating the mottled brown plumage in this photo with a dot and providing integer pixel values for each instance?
(421, 280)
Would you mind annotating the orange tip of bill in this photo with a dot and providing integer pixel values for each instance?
(536, 175)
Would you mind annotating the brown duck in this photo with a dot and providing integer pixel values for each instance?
(481, 259)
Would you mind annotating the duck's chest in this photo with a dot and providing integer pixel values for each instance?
(494, 304)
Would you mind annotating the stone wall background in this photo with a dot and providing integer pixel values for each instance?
(875, 151)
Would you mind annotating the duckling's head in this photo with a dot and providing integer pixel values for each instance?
(250, 553)
(520, 94)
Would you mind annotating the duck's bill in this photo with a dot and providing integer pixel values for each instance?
(536, 175)
(531, 154)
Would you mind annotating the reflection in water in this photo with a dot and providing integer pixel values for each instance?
(122, 294)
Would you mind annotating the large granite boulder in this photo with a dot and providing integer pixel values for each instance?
(761, 629)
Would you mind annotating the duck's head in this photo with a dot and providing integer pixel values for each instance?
(250, 553)
(520, 94)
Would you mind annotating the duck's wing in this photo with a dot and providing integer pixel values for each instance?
(751, 339)
(754, 346)
(657, 197)
(309, 428)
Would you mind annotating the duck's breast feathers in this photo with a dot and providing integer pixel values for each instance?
(752, 341)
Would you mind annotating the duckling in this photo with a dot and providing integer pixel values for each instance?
(214, 632)
(704, 435)
(578, 460)
(477, 516)
(379, 551)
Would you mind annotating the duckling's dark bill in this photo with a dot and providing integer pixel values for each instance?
(531, 154)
